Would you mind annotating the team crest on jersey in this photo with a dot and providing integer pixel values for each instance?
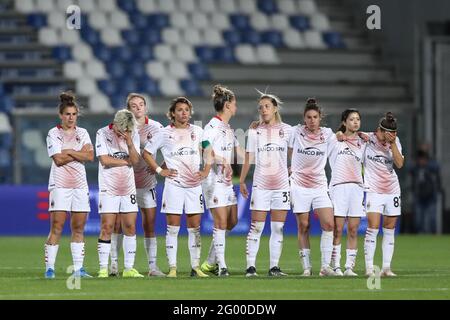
(281, 133)
(78, 139)
(149, 136)
(322, 138)
(193, 136)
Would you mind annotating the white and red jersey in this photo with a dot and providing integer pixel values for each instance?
(181, 151)
(221, 137)
(142, 176)
(345, 159)
(269, 143)
(309, 156)
(115, 181)
(379, 173)
(72, 175)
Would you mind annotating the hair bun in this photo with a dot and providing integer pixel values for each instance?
(389, 116)
(311, 102)
(67, 98)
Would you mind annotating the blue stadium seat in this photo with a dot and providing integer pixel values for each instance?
(199, 71)
(158, 21)
(90, 35)
(5, 158)
(224, 54)
(333, 40)
(131, 37)
(127, 85)
(6, 140)
(122, 53)
(232, 37)
(140, 21)
(102, 52)
(252, 37)
(127, 5)
(37, 20)
(151, 37)
(267, 6)
(273, 38)
(143, 53)
(240, 22)
(61, 53)
(137, 69)
(118, 100)
(191, 87)
(116, 69)
(108, 87)
(148, 86)
(2, 89)
(205, 53)
(6, 104)
(300, 22)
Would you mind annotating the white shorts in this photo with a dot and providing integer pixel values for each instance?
(302, 199)
(146, 198)
(266, 200)
(117, 204)
(386, 204)
(176, 198)
(73, 200)
(347, 199)
(219, 195)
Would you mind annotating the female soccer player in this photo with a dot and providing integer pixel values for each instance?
(180, 144)
(117, 148)
(267, 147)
(346, 188)
(219, 142)
(309, 148)
(145, 189)
(69, 147)
(383, 191)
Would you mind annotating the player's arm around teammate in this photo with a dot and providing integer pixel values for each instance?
(268, 145)
(69, 147)
(309, 148)
(180, 145)
(117, 148)
(383, 191)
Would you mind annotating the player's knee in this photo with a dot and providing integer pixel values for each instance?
(57, 229)
(353, 231)
(304, 227)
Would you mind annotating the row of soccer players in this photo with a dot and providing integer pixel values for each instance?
(127, 151)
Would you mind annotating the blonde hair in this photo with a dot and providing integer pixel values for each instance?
(124, 120)
(275, 101)
(221, 95)
(133, 95)
(173, 105)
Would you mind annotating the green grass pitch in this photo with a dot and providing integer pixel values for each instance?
(421, 262)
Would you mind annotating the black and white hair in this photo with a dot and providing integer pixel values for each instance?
(125, 121)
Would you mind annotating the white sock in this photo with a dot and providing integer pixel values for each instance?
(211, 259)
(253, 239)
(388, 247)
(275, 242)
(370, 245)
(129, 251)
(50, 255)
(326, 247)
(219, 246)
(116, 244)
(195, 246)
(351, 258)
(104, 249)
(77, 249)
(336, 256)
(304, 257)
(151, 249)
(172, 244)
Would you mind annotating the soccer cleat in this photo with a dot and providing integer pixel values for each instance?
(172, 272)
(387, 273)
(131, 273)
(49, 274)
(156, 273)
(103, 273)
(251, 272)
(307, 273)
(81, 274)
(206, 267)
(276, 272)
(114, 269)
(326, 272)
(223, 272)
(370, 272)
(350, 273)
(338, 272)
(196, 272)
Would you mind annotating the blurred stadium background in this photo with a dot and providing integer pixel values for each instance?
(165, 48)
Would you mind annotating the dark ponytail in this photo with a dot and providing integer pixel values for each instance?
(388, 123)
(344, 117)
(67, 99)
